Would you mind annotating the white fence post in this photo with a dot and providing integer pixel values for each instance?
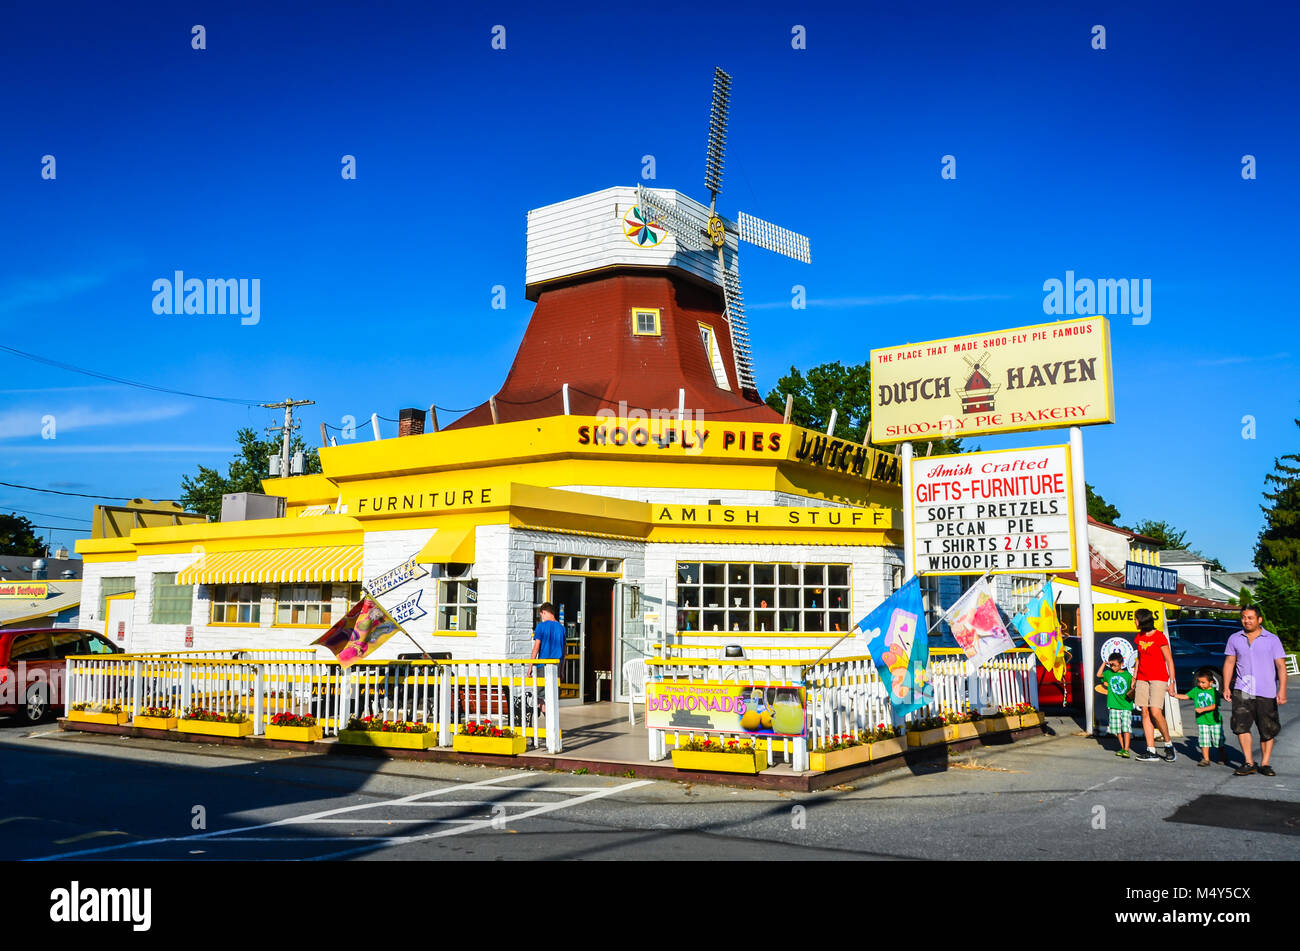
(137, 688)
(554, 739)
(187, 687)
(446, 687)
(259, 696)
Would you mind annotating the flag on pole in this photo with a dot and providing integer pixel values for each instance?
(977, 624)
(1041, 630)
(360, 632)
(900, 646)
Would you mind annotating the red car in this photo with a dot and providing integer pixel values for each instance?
(1069, 693)
(32, 663)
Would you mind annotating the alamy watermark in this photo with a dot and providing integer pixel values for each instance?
(182, 295)
(1104, 297)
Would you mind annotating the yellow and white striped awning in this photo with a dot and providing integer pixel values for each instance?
(278, 566)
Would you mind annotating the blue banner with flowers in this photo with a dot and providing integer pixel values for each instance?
(900, 645)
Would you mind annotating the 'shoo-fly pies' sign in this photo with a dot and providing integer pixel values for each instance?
(1004, 512)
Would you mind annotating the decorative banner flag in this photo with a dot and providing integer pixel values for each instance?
(359, 632)
(977, 624)
(1042, 631)
(900, 646)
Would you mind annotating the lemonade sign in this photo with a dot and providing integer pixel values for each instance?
(747, 709)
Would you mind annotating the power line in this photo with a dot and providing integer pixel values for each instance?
(71, 518)
(117, 379)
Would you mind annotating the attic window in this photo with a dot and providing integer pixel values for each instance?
(714, 356)
(645, 322)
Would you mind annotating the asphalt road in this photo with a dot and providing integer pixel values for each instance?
(86, 796)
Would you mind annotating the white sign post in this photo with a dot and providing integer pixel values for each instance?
(1002, 512)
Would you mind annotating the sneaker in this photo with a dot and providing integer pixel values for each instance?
(1119, 752)
(1267, 771)
(1146, 756)
(1170, 755)
(1204, 762)
(1246, 770)
(1123, 753)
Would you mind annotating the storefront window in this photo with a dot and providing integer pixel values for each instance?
(110, 586)
(758, 598)
(237, 604)
(303, 604)
(172, 602)
(458, 605)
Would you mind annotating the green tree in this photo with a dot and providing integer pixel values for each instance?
(1279, 540)
(1099, 508)
(845, 389)
(244, 473)
(1163, 532)
(1278, 595)
(17, 537)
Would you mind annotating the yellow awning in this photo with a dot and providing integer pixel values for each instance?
(448, 545)
(278, 566)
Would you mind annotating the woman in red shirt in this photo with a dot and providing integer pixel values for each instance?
(1154, 677)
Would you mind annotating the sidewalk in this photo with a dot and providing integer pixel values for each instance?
(599, 740)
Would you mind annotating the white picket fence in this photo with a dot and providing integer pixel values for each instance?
(846, 695)
(443, 694)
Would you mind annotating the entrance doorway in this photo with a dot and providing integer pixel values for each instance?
(585, 606)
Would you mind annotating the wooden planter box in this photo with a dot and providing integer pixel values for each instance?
(215, 728)
(494, 745)
(154, 723)
(882, 749)
(395, 741)
(839, 759)
(927, 737)
(1030, 720)
(1001, 723)
(961, 731)
(299, 734)
(720, 762)
(111, 719)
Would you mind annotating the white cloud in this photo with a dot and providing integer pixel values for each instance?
(19, 423)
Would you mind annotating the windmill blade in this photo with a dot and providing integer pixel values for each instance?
(735, 301)
(689, 234)
(717, 131)
(774, 238)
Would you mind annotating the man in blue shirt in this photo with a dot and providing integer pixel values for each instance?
(548, 639)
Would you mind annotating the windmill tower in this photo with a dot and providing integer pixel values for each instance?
(638, 297)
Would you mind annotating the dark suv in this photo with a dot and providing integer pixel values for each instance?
(32, 662)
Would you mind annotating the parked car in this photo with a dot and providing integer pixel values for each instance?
(1206, 632)
(24, 691)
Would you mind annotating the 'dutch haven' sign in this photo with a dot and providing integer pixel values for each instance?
(1039, 377)
(1004, 511)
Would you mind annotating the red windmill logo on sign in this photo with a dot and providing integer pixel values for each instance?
(977, 394)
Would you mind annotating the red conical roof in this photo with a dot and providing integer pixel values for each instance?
(583, 334)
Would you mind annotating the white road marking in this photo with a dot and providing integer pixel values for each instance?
(326, 815)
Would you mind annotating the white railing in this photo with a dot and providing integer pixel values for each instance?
(846, 695)
(717, 652)
(519, 694)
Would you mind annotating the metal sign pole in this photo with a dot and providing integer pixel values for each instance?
(1083, 570)
(909, 540)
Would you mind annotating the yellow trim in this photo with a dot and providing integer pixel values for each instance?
(654, 311)
(448, 545)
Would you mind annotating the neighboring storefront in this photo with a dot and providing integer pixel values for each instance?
(704, 532)
(39, 603)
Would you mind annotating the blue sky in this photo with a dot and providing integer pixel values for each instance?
(376, 293)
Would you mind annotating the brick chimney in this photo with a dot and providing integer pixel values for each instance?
(410, 422)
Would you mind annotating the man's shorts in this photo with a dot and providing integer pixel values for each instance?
(1210, 735)
(1257, 711)
(1121, 721)
(1150, 693)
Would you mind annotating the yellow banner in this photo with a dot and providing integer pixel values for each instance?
(1120, 617)
(1044, 376)
(710, 707)
(24, 590)
(773, 516)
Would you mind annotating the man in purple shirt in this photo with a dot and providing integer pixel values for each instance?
(1254, 657)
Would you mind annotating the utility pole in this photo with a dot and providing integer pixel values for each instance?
(285, 430)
